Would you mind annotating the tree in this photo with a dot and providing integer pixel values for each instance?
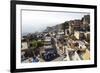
(35, 46)
(40, 44)
(28, 53)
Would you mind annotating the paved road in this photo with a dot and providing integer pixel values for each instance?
(86, 55)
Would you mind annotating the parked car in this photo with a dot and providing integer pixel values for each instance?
(35, 59)
(50, 54)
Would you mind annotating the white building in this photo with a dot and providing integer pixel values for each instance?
(59, 34)
(47, 39)
(47, 42)
(24, 46)
(76, 34)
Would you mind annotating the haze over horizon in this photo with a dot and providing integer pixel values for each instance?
(37, 21)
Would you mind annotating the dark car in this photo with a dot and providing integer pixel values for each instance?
(35, 59)
(50, 54)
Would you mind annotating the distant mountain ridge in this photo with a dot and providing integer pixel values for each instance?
(79, 23)
(75, 23)
(53, 28)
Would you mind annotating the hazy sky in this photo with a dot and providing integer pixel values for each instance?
(33, 21)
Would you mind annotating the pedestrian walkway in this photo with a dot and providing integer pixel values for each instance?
(86, 55)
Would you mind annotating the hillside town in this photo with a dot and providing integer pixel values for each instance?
(68, 41)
